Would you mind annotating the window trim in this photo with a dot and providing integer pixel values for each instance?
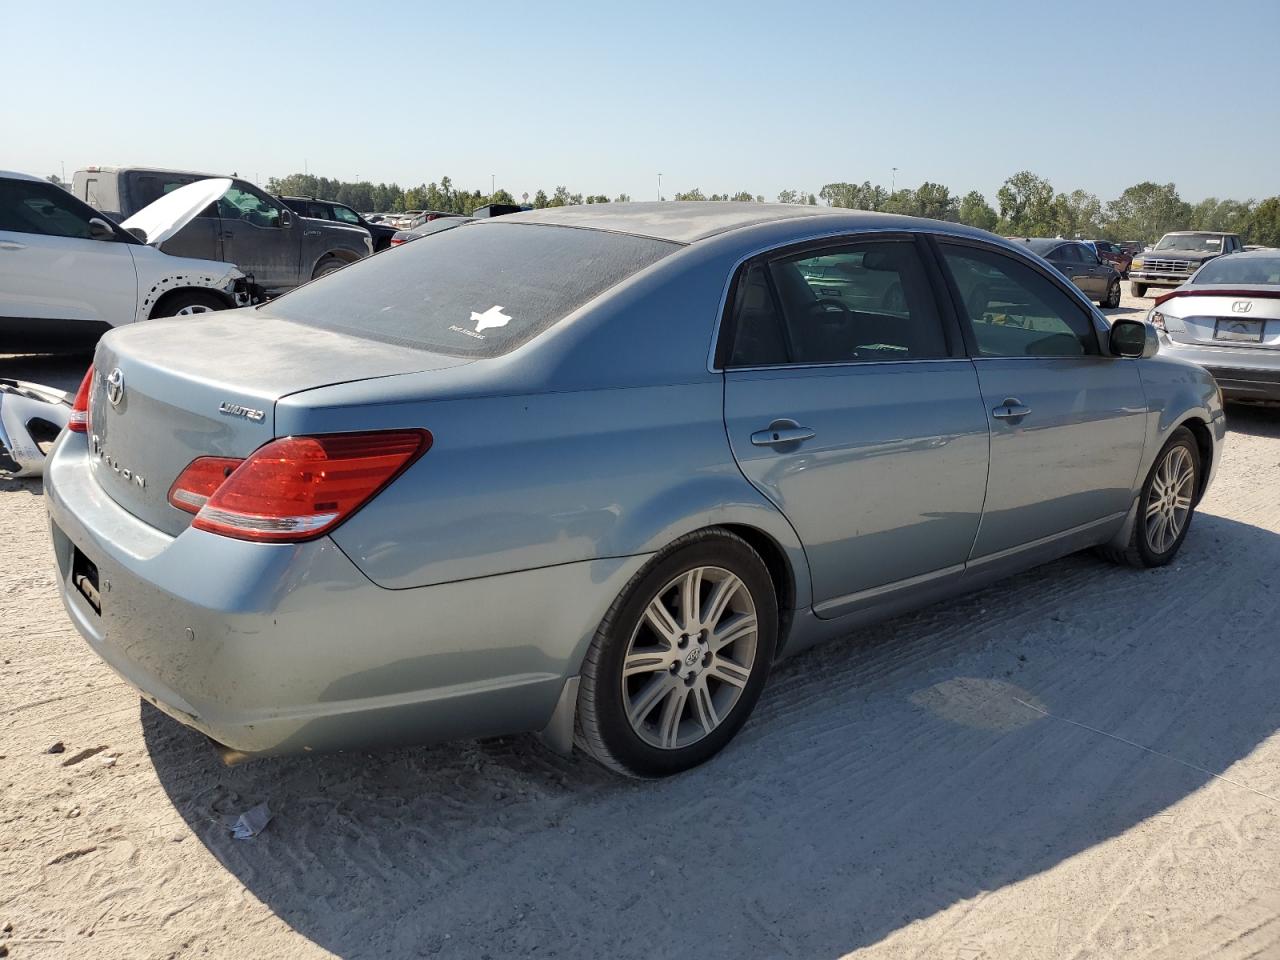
(957, 301)
(726, 322)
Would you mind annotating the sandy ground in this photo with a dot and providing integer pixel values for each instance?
(1081, 762)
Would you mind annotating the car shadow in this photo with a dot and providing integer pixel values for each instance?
(884, 778)
(61, 371)
(1255, 420)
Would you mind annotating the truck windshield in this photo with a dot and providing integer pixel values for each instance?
(1197, 242)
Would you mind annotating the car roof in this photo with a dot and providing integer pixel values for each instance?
(1199, 233)
(691, 221)
(14, 175)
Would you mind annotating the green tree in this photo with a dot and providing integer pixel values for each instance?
(623, 198)
(935, 201)
(694, 194)
(1264, 223)
(1229, 216)
(597, 198)
(855, 196)
(976, 212)
(797, 196)
(1146, 211)
(1077, 214)
(540, 200)
(742, 196)
(1026, 205)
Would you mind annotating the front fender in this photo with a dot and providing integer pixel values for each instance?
(1178, 391)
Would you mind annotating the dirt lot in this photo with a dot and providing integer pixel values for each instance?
(1081, 762)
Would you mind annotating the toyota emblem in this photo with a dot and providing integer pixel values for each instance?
(115, 387)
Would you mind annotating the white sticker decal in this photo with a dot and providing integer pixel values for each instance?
(493, 317)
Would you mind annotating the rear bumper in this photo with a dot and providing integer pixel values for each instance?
(271, 648)
(1241, 374)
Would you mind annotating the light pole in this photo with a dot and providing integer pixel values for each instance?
(659, 186)
(893, 181)
(491, 184)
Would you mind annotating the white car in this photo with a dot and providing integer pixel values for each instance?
(68, 274)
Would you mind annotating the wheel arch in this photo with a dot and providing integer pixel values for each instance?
(1204, 444)
(172, 294)
(346, 256)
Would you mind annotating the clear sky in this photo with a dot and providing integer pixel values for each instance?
(601, 96)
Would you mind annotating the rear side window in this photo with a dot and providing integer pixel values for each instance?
(345, 216)
(1015, 310)
(480, 290)
(857, 303)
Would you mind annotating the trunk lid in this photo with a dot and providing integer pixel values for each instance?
(1237, 317)
(183, 389)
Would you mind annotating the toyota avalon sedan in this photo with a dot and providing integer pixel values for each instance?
(590, 471)
(1227, 319)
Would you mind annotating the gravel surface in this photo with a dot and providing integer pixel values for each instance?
(1080, 762)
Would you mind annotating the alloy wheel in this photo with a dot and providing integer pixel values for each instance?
(1169, 502)
(192, 309)
(690, 657)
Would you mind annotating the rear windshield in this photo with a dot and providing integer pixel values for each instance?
(480, 290)
(1247, 269)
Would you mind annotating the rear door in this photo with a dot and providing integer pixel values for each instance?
(850, 405)
(256, 239)
(200, 238)
(57, 286)
(1067, 422)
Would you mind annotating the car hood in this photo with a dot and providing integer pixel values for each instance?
(165, 217)
(1196, 255)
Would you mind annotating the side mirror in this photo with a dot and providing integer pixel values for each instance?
(1133, 338)
(286, 217)
(137, 233)
(99, 229)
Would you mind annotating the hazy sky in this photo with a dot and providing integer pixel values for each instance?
(601, 96)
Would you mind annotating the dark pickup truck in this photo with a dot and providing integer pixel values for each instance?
(247, 226)
(318, 209)
(1178, 255)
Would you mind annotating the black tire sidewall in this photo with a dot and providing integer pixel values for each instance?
(623, 743)
(190, 298)
(1182, 437)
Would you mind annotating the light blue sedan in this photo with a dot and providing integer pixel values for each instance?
(591, 471)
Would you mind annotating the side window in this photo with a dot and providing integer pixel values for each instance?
(30, 207)
(1067, 253)
(345, 216)
(862, 302)
(239, 204)
(1015, 310)
(318, 211)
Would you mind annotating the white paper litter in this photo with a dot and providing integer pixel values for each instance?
(250, 823)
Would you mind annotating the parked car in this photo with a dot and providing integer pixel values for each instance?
(68, 274)
(1227, 319)
(318, 209)
(1131, 247)
(1177, 256)
(597, 491)
(426, 229)
(245, 226)
(498, 209)
(1114, 254)
(416, 218)
(1080, 264)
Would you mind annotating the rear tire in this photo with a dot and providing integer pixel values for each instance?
(1166, 506)
(189, 303)
(1137, 289)
(1113, 296)
(326, 266)
(679, 661)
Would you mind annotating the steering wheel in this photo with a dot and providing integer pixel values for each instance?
(824, 305)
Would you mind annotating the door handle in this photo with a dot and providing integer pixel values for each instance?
(228, 234)
(780, 433)
(10, 245)
(1011, 409)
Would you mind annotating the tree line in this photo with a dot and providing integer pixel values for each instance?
(1026, 205)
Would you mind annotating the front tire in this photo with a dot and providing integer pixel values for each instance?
(679, 661)
(189, 303)
(1166, 505)
(1137, 289)
(1113, 296)
(326, 266)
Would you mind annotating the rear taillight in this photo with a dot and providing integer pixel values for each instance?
(396, 241)
(297, 488)
(78, 422)
(196, 484)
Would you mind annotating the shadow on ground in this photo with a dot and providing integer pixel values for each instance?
(884, 778)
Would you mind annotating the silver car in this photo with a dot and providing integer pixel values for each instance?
(591, 471)
(1227, 319)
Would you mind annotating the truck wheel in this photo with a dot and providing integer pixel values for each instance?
(1137, 289)
(188, 303)
(326, 266)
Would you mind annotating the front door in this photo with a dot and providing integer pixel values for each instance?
(256, 239)
(849, 404)
(1067, 422)
(58, 287)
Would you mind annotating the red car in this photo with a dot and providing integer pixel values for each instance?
(1113, 254)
